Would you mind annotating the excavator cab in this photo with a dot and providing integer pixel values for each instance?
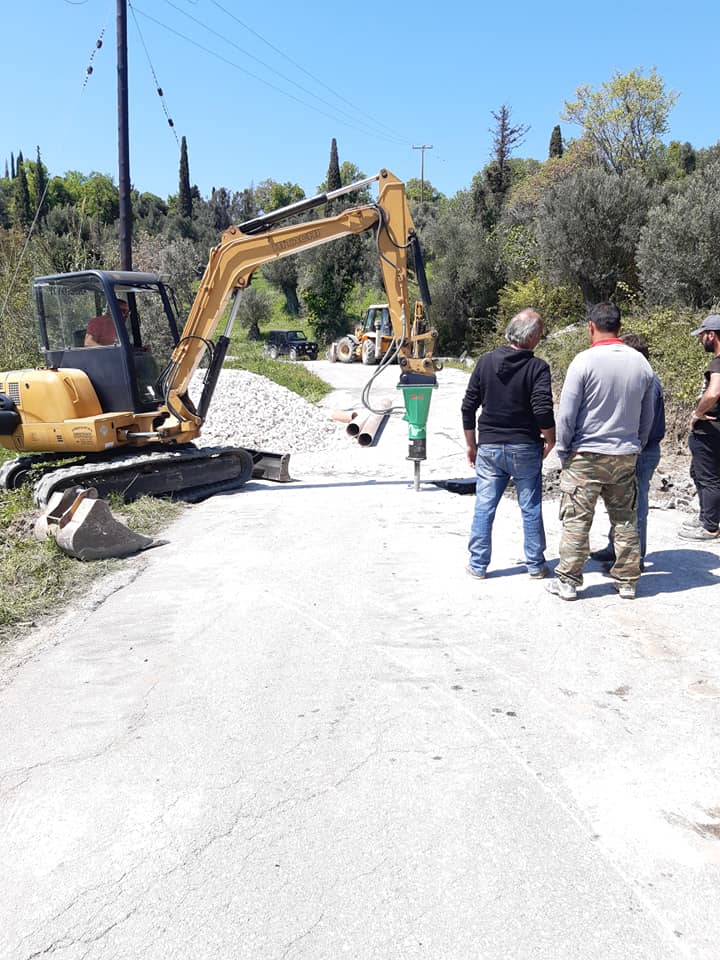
(117, 327)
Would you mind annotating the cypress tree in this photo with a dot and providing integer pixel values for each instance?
(334, 182)
(184, 191)
(7, 175)
(333, 177)
(556, 144)
(21, 199)
(20, 160)
(40, 187)
(12, 166)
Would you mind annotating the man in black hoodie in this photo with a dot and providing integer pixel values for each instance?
(515, 432)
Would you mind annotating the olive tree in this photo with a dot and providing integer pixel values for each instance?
(679, 249)
(254, 308)
(463, 260)
(588, 227)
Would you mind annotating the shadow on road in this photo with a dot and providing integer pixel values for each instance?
(670, 571)
(426, 486)
(666, 571)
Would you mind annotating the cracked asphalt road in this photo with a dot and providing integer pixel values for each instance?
(300, 731)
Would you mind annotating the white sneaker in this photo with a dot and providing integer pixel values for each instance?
(625, 589)
(562, 588)
(697, 533)
(692, 523)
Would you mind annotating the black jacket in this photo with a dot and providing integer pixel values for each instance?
(513, 388)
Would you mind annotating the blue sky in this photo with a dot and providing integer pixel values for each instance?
(259, 90)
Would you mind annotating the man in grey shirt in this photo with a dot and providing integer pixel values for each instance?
(603, 421)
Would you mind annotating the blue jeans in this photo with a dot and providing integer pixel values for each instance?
(496, 464)
(647, 462)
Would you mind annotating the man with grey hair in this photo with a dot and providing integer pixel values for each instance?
(515, 432)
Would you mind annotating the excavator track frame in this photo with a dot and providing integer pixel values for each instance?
(186, 473)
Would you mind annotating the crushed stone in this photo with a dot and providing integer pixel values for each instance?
(251, 411)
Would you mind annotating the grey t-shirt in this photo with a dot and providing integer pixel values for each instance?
(606, 403)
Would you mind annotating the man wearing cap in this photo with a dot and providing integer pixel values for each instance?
(603, 422)
(704, 439)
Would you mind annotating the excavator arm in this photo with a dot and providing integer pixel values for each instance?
(245, 248)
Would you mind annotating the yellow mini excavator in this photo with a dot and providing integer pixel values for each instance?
(110, 408)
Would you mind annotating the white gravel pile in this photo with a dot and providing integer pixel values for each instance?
(251, 411)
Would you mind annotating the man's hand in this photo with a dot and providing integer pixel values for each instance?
(548, 436)
(471, 447)
(695, 417)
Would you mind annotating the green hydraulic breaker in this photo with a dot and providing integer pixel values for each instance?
(417, 391)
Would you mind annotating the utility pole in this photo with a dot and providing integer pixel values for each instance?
(123, 140)
(423, 148)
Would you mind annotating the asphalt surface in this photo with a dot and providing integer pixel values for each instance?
(299, 730)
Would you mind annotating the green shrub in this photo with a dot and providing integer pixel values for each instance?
(560, 347)
(558, 305)
(676, 357)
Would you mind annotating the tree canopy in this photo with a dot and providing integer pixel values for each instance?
(625, 118)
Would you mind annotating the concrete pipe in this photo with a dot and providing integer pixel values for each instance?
(343, 416)
(370, 428)
(355, 426)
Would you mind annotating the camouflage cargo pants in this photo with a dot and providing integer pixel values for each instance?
(584, 478)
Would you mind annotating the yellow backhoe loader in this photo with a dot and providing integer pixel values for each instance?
(371, 341)
(121, 411)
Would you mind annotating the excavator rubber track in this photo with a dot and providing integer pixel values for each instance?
(186, 473)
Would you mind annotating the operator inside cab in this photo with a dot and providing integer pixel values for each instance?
(101, 330)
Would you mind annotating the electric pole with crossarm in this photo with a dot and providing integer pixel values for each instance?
(422, 148)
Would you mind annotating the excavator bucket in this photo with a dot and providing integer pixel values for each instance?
(84, 527)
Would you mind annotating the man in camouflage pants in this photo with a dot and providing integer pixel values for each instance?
(603, 421)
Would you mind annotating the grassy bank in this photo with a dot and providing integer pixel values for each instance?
(36, 575)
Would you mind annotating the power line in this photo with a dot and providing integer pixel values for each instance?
(31, 228)
(306, 72)
(98, 46)
(158, 88)
(360, 124)
(249, 73)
